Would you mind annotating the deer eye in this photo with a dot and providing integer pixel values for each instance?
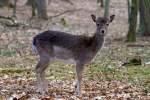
(98, 24)
(107, 24)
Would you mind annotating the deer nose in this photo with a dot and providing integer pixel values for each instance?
(102, 31)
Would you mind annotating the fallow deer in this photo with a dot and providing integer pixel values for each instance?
(77, 49)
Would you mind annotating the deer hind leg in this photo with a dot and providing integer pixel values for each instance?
(40, 74)
(79, 70)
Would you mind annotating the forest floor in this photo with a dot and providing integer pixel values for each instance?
(103, 79)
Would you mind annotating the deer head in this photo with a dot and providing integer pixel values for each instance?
(102, 23)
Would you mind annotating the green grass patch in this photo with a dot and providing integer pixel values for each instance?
(7, 53)
(61, 71)
(16, 71)
(137, 75)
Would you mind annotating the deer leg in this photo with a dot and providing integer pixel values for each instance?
(40, 74)
(79, 70)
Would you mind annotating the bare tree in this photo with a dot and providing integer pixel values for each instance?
(14, 8)
(106, 13)
(9, 3)
(144, 28)
(42, 9)
(33, 8)
(131, 36)
(101, 2)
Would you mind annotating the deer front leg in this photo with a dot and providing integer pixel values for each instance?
(40, 75)
(79, 69)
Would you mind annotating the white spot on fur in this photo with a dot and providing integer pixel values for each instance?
(64, 55)
(34, 49)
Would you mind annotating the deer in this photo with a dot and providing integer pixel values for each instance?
(76, 49)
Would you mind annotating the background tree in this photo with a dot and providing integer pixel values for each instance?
(106, 13)
(9, 3)
(14, 8)
(129, 10)
(101, 2)
(40, 6)
(29, 2)
(33, 3)
(42, 9)
(131, 36)
(144, 8)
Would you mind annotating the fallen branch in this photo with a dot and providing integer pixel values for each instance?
(138, 45)
(10, 22)
(67, 11)
(8, 18)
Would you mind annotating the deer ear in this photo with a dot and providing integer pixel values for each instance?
(93, 17)
(112, 18)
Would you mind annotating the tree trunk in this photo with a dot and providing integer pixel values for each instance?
(29, 2)
(147, 17)
(6, 3)
(33, 8)
(14, 8)
(141, 30)
(131, 36)
(129, 10)
(101, 2)
(106, 13)
(42, 9)
(33, 4)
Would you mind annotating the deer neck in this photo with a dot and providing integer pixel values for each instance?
(98, 41)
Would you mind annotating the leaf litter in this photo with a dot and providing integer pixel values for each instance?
(22, 88)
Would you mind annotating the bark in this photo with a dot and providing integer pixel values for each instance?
(106, 13)
(29, 2)
(147, 17)
(42, 9)
(101, 2)
(14, 8)
(129, 10)
(142, 21)
(131, 36)
(33, 4)
(6, 3)
(33, 8)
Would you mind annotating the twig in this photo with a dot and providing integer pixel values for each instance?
(8, 18)
(138, 45)
(13, 22)
(67, 11)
